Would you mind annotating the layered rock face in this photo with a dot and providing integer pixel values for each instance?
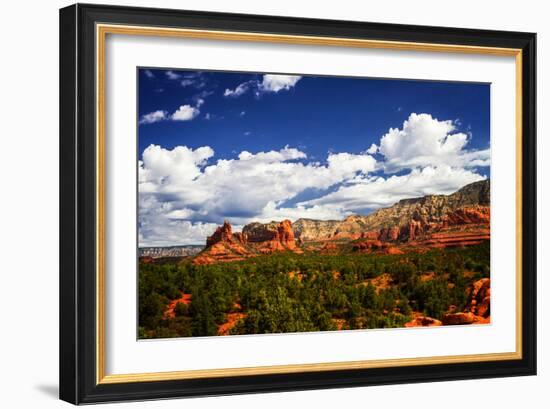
(467, 215)
(223, 245)
(271, 236)
(458, 219)
(223, 233)
(314, 230)
(255, 239)
(408, 219)
(464, 226)
(431, 208)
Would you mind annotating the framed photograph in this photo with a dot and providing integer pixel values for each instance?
(257, 203)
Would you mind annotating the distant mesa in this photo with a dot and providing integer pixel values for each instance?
(434, 221)
(148, 255)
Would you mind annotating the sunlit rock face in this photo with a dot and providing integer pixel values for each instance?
(434, 221)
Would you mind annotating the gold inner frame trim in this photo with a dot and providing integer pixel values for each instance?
(101, 33)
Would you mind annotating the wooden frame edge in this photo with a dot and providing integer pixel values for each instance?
(103, 29)
(300, 368)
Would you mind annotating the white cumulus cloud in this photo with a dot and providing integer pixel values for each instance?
(185, 113)
(239, 90)
(269, 83)
(163, 231)
(427, 141)
(153, 117)
(163, 169)
(373, 149)
(276, 83)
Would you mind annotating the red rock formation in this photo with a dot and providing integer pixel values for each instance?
(222, 251)
(414, 229)
(414, 236)
(422, 321)
(468, 215)
(427, 226)
(393, 250)
(271, 237)
(329, 248)
(371, 235)
(479, 298)
(454, 238)
(477, 309)
(224, 245)
(464, 226)
(286, 235)
(223, 233)
(389, 233)
(240, 238)
(460, 318)
(368, 244)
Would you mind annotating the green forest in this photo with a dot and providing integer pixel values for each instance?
(288, 292)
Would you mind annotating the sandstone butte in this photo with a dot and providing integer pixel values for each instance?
(255, 239)
(435, 221)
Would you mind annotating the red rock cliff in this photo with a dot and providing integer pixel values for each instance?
(271, 237)
(256, 238)
(223, 233)
(286, 235)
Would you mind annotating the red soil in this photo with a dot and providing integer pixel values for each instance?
(170, 310)
(231, 319)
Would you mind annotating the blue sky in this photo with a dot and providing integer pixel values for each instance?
(258, 147)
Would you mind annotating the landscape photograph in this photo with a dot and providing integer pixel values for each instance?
(276, 203)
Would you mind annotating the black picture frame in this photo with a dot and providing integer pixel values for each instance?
(78, 312)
